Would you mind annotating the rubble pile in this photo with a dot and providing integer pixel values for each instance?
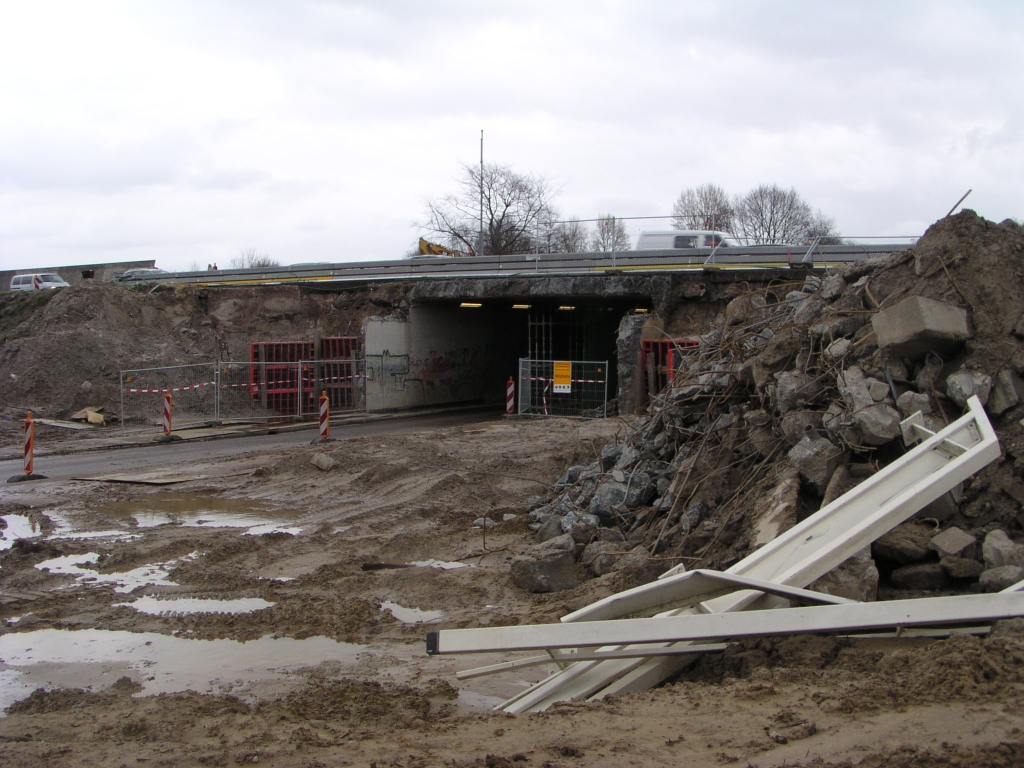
(795, 396)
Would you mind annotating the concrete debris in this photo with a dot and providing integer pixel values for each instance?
(907, 543)
(998, 550)
(998, 579)
(484, 522)
(855, 579)
(928, 576)
(1007, 389)
(816, 458)
(961, 567)
(918, 325)
(548, 567)
(323, 462)
(953, 542)
(794, 395)
(963, 385)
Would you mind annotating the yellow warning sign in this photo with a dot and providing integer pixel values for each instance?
(563, 377)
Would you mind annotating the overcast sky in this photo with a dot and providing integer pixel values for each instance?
(313, 130)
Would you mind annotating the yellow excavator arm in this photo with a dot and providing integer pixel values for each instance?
(433, 249)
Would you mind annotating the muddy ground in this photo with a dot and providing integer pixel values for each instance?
(329, 668)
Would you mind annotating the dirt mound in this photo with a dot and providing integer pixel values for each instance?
(63, 350)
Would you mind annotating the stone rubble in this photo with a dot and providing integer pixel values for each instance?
(794, 397)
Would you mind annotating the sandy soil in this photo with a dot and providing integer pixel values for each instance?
(328, 675)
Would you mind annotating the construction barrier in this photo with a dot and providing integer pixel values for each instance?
(168, 408)
(563, 388)
(325, 416)
(30, 442)
(241, 391)
(510, 396)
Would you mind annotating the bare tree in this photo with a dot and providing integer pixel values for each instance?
(704, 207)
(822, 229)
(568, 237)
(771, 214)
(610, 235)
(249, 259)
(517, 213)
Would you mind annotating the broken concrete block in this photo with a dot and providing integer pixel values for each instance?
(998, 550)
(744, 309)
(548, 567)
(998, 579)
(832, 287)
(794, 424)
(910, 403)
(878, 390)
(612, 497)
(854, 579)
(961, 567)
(794, 390)
(965, 384)
(484, 522)
(322, 462)
(878, 422)
(953, 543)
(815, 458)
(920, 576)
(781, 504)
(918, 325)
(944, 507)
(837, 349)
(1006, 392)
(551, 528)
(601, 557)
(906, 543)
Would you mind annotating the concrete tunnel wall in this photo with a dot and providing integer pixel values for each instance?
(440, 354)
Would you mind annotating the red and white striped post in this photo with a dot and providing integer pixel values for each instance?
(510, 396)
(325, 416)
(168, 408)
(30, 442)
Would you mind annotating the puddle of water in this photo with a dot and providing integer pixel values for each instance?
(194, 510)
(440, 564)
(18, 527)
(154, 574)
(159, 606)
(94, 659)
(410, 615)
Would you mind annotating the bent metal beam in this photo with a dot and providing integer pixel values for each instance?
(795, 559)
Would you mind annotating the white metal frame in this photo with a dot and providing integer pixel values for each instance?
(775, 573)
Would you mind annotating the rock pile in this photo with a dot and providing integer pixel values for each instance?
(795, 396)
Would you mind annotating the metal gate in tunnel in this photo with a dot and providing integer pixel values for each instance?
(558, 334)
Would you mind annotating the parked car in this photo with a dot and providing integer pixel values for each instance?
(37, 282)
(139, 274)
(683, 238)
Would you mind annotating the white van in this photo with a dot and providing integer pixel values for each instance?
(37, 282)
(671, 239)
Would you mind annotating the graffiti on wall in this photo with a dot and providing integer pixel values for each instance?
(456, 374)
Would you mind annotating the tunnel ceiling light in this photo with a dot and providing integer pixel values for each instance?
(520, 306)
(640, 311)
(566, 307)
(471, 304)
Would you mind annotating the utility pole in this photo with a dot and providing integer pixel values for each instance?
(480, 235)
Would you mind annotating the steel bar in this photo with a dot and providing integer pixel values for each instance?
(851, 617)
(554, 657)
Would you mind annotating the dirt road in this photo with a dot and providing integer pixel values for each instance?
(228, 619)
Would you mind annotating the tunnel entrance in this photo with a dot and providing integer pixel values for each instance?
(462, 350)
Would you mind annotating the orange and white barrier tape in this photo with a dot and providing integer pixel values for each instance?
(168, 407)
(325, 416)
